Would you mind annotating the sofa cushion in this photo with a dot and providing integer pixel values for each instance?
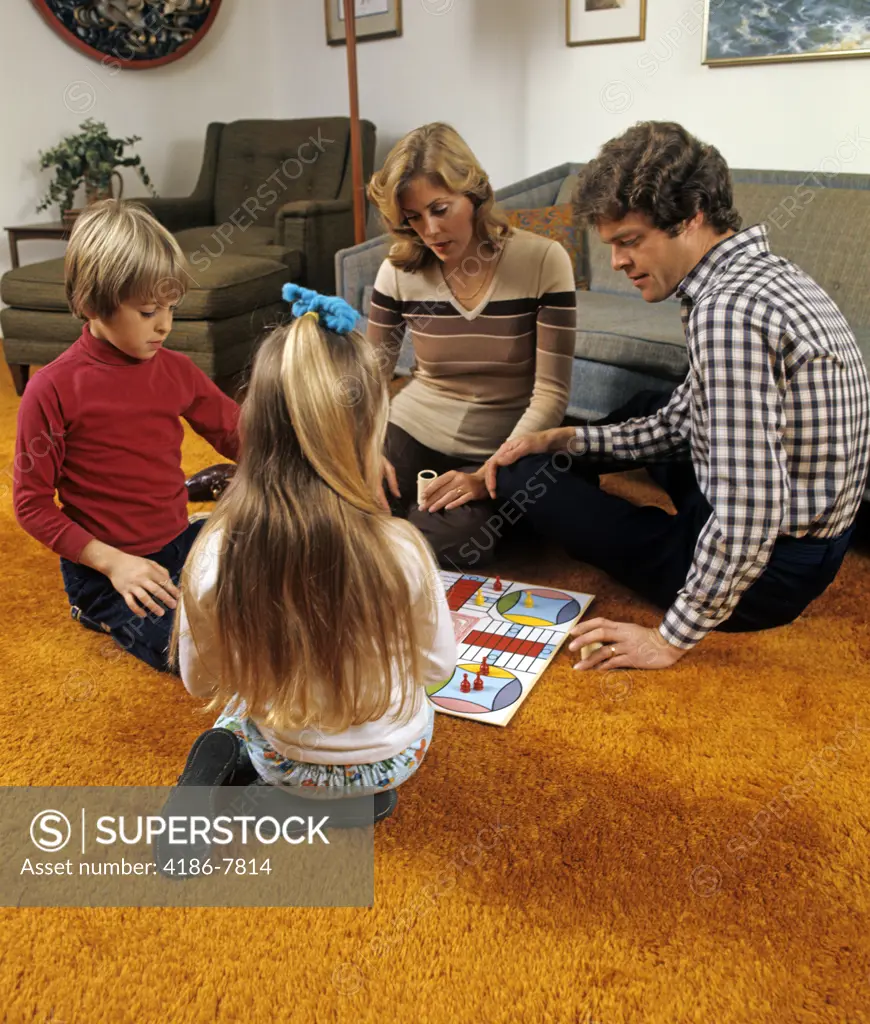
(823, 230)
(204, 243)
(566, 189)
(225, 287)
(626, 332)
(554, 222)
(263, 164)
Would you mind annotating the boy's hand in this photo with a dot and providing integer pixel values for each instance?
(141, 580)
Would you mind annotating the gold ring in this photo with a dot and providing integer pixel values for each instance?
(612, 651)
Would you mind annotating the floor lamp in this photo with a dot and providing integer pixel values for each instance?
(359, 221)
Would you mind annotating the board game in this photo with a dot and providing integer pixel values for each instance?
(507, 634)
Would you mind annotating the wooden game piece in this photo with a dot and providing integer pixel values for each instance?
(529, 603)
(424, 477)
(589, 649)
(465, 686)
(478, 682)
(498, 585)
(484, 667)
(478, 598)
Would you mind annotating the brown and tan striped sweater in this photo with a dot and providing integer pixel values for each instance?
(500, 370)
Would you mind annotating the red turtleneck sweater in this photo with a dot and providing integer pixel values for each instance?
(103, 430)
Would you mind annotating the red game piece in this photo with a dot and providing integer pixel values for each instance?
(465, 686)
(498, 584)
(484, 668)
(478, 682)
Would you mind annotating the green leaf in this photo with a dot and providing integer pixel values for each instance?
(89, 157)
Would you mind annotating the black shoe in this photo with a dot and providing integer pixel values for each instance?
(244, 774)
(210, 483)
(213, 760)
(385, 804)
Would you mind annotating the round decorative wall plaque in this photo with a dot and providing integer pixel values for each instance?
(130, 33)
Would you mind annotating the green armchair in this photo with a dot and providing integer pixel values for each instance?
(273, 204)
(276, 189)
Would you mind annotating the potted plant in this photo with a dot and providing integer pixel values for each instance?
(90, 158)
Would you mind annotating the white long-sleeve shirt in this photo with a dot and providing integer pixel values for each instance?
(359, 744)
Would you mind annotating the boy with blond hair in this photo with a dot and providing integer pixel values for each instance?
(101, 426)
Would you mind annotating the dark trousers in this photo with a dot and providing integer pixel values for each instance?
(649, 550)
(459, 537)
(98, 606)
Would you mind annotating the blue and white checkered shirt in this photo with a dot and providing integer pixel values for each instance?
(775, 411)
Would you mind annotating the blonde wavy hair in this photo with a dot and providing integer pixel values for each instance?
(312, 610)
(118, 252)
(438, 152)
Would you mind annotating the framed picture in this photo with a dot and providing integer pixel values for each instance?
(605, 21)
(747, 32)
(134, 34)
(375, 19)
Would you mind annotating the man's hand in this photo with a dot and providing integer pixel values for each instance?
(625, 645)
(450, 490)
(529, 444)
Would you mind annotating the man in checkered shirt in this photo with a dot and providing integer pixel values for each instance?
(774, 416)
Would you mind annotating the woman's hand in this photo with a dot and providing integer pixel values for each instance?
(450, 490)
(388, 473)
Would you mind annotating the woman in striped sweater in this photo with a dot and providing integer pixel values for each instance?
(491, 311)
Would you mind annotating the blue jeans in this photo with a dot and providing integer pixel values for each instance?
(98, 606)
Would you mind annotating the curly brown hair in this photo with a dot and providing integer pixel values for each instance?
(437, 151)
(657, 168)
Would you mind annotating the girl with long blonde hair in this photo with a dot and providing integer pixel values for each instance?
(310, 614)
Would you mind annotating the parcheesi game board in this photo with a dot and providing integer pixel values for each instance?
(507, 633)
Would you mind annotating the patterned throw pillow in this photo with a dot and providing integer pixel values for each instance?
(554, 222)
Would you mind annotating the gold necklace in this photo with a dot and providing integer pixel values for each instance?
(487, 279)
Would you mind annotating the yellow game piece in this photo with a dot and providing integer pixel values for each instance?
(589, 649)
(478, 598)
(529, 603)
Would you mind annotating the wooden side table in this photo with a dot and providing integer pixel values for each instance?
(56, 230)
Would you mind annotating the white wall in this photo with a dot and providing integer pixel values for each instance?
(49, 88)
(460, 61)
(499, 70)
(790, 116)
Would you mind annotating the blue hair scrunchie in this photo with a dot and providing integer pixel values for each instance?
(335, 314)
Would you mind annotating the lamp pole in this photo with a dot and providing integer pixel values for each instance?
(359, 224)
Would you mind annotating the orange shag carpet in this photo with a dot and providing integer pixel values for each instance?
(688, 845)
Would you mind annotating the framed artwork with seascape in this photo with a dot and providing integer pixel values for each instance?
(748, 32)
